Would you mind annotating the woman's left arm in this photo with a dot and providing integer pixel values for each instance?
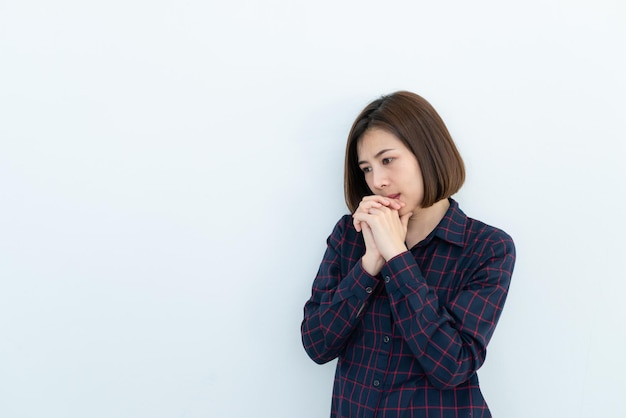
(449, 340)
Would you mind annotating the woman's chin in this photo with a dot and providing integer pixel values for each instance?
(404, 211)
(409, 209)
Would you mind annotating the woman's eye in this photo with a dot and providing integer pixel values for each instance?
(387, 160)
(366, 169)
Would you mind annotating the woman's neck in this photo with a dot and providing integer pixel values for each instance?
(424, 221)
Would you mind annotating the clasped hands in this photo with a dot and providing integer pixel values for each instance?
(384, 230)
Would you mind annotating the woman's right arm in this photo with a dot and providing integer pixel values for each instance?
(337, 303)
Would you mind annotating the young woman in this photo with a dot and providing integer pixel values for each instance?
(410, 289)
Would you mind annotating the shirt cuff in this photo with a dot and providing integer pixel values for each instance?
(401, 271)
(358, 283)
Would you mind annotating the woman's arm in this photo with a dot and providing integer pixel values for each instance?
(449, 341)
(337, 303)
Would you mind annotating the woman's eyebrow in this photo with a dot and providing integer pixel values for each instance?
(378, 154)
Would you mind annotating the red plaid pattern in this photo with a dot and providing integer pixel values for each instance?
(409, 341)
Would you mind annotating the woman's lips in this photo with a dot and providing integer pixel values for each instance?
(394, 196)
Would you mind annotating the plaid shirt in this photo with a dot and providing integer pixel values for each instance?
(410, 340)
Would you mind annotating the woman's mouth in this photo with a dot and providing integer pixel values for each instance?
(394, 196)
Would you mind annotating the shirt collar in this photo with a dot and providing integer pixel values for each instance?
(452, 225)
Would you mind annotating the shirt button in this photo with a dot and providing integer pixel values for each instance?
(376, 383)
(368, 289)
(386, 339)
(387, 278)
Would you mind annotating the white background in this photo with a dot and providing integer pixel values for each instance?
(170, 170)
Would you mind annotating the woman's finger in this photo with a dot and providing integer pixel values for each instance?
(356, 223)
(392, 203)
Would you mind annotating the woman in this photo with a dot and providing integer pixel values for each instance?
(410, 289)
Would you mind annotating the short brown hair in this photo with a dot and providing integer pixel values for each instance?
(415, 122)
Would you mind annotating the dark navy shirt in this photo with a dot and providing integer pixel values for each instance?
(410, 340)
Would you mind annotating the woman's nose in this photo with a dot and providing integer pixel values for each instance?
(380, 179)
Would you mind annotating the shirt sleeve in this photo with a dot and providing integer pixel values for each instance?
(337, 303)
(449, 340)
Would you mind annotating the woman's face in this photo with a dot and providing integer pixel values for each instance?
(390, 168)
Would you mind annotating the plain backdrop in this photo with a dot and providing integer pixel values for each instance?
(170, 171)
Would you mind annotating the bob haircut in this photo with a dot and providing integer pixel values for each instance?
(416, 123)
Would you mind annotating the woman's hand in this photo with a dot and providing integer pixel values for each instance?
(384, 231)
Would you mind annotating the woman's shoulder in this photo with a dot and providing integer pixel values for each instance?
(465, 230)
(344, 226)
(485, 230)
(345, 232)
(486, 236)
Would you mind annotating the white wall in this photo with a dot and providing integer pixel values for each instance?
(170, 170)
